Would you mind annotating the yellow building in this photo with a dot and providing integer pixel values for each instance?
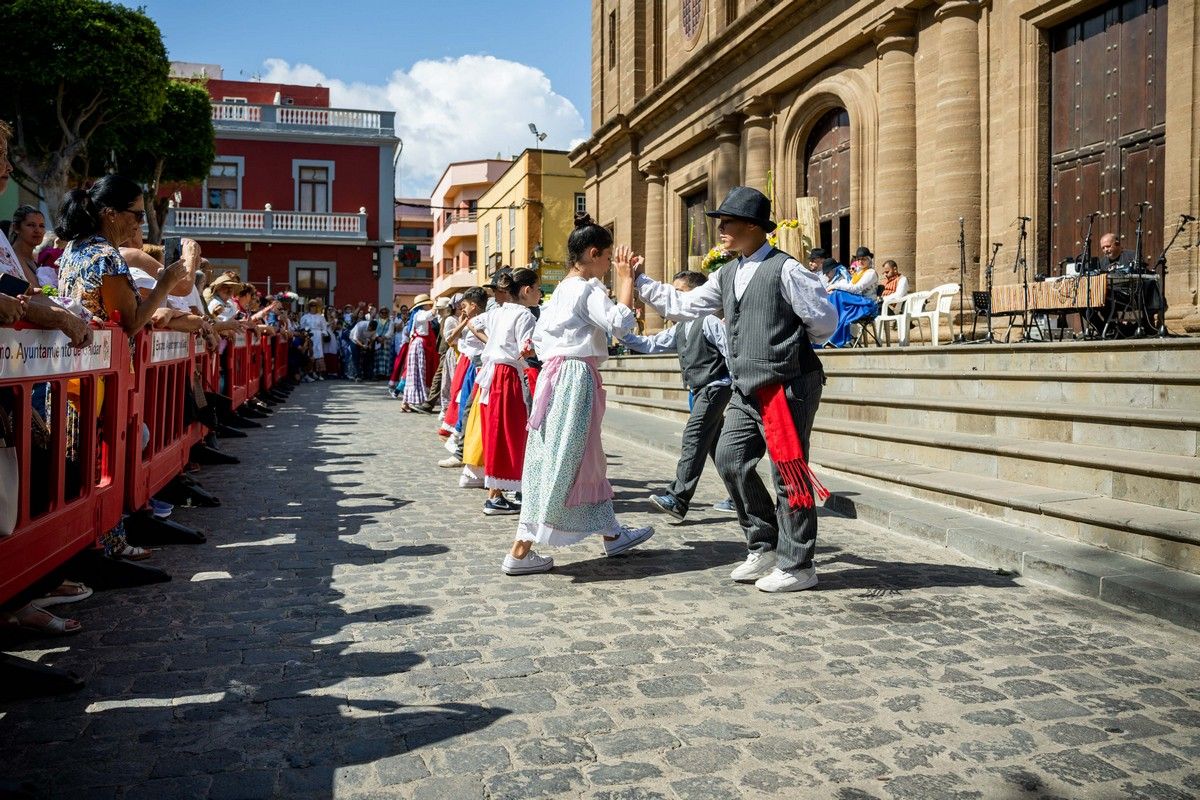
(527, 214)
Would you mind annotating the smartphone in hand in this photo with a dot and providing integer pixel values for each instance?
(12, 286)
(172, 250)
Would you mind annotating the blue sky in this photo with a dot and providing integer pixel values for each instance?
(409, 56)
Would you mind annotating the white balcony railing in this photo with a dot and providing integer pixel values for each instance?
(210, 223)
(344, 121)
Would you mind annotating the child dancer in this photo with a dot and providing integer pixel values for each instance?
(567, 494)
(473, 432)
(504, 396)
(702, 353)
(469, 347)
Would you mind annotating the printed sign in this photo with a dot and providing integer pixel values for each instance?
(168, 346)
(32, 354)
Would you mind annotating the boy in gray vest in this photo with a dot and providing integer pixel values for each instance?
(701, 349)
(775, 310)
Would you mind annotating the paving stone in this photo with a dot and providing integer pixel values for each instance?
(380, 654)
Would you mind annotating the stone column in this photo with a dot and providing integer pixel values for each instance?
(756, 142)
(958, 146)
(656, 251)
(729, 157)
(896, 178)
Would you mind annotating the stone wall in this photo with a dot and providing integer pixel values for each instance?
(948, 105)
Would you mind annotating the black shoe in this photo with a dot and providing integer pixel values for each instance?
(499, 506)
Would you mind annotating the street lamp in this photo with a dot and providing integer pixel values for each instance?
(538, 253)
(538, 136)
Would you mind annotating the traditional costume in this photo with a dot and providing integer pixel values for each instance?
(702, 351)
(418, 357)
(470, 349)
(504, 395)
(774, 309)
(567, 496)
(854, 298)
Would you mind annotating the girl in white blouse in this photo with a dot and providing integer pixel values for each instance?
(567, 496)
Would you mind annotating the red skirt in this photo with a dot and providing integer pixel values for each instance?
(503, 419)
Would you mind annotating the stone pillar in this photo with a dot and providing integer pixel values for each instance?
(756, 142)
(896, 178)
(729, 157)
(958, 146)
(656, 251)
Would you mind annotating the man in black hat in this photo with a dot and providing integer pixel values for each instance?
(775, 310)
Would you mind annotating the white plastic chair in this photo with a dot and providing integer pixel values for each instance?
(899, 312)
(941, 297)
(892, 312)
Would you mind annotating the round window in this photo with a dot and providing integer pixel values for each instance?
(691, 14)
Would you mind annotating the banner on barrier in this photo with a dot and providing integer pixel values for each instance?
(168, 346)
(34, 353)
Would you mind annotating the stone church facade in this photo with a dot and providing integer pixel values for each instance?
(899, 118)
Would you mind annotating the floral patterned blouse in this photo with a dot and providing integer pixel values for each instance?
(81, 271)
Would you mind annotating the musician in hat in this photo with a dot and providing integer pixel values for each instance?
(854, 296)
(775, 310)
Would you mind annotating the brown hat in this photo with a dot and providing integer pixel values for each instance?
(225, 278)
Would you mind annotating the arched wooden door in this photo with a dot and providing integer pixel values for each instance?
(827, 178)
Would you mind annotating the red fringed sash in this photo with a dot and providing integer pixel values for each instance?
(783, 444)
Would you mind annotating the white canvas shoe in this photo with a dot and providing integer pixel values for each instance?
(628, 539)
(756, 565)
(528, 565)
(787, 580)
(450, 462)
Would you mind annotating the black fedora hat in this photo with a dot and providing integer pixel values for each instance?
(502, 271)
(829, 264)
(817, 254)
(863, 252)
(744, 202)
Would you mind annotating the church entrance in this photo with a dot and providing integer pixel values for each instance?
(827, 178)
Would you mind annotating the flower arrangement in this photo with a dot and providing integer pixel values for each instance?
(715, 258)
(783, 223)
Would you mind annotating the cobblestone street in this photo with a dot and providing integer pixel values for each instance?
(346, 633)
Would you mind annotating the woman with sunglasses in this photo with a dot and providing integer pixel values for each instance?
(95, 223)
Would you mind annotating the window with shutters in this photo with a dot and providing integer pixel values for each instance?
(224, 185)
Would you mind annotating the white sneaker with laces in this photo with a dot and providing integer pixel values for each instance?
(787, 580)
(756, 565)
(627, 539)
(450, 462)
(528, 565)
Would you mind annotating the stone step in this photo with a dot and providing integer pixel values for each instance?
(1164, 536)
(1112, 577)
(1154, 479)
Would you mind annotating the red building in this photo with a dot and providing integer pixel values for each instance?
(300, 195)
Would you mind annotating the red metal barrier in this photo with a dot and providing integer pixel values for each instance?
(282, 351)
(83, 468)
(236, 367)
(162, 376)
(254, 365)
(268, 363)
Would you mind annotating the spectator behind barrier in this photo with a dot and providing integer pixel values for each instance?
(95, 223)
(37, 309)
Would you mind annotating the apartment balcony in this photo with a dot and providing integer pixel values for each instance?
(219, 224)
(456, 225)
(337, 122)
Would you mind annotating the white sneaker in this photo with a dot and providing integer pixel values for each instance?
(787, 580)
(469, 483)
(756, 565)
(450, 462)
(628, 539)
(528, 565)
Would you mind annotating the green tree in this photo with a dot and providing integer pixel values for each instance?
(176, 148)
(71, 68)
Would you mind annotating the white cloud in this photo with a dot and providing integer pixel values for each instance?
(457, 109)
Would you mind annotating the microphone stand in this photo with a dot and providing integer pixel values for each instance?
(1160, 266)
(1086, 274)
(1139, 304)
(1022, 264)
(991, 266)
(962, 280)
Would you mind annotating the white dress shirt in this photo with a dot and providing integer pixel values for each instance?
(901, 291)
(359, 333)
(800, 287)
(420, 322)
(468, 343)
(664, 341)
(510, 330)
(579, 319)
